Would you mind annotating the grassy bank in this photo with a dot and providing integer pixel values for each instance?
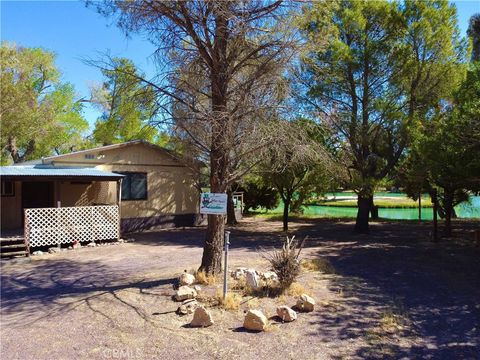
(397, 203)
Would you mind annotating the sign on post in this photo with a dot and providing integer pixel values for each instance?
(213, 203)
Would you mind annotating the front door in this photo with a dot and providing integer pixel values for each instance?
(37, 194)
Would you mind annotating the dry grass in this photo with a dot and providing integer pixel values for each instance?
(205, 279)
(295, 289)
(231, 302)
(319, 264)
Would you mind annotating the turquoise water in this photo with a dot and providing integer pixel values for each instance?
(469, 209)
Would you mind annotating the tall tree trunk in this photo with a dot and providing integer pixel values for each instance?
(448, 205)
(220, 142)
(434, 196)
(231, 218)
(373, 209)
(212, 249)
(361, 224)
(286, 208)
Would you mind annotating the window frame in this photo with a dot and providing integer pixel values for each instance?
(127, 173)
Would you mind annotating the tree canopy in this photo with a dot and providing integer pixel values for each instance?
(39, 113)
(374, 71)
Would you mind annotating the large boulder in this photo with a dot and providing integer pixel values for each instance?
(252, 279)
(186, 279)
(201, 318)
(305, 303)
(286, 314)
(187, 307)
(255, 320)
(184, 293)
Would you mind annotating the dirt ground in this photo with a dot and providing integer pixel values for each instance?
(395, 295)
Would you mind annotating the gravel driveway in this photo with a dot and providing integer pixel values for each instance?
(396, 295)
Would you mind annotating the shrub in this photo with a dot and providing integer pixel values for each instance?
(285, 262)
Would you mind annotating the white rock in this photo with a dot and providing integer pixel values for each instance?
(270, 276)
(252, 279)
(38, 252)
(305, 303)
(53, 250)
(184, 293)
(201, 318)
(197, 288)
(239, 273)
(286, 313)
(255, 320)
(187, 307)
(91, 244)
(186, 279)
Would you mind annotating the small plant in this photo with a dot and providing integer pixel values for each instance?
(206, 279)
(319, 264)
(285, 262)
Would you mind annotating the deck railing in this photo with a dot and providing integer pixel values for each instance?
(65, 225)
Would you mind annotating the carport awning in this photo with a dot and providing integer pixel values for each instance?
(50, 172)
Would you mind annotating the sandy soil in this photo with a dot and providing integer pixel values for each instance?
(395, 295)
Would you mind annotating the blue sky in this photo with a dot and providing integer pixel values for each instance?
(74, 32)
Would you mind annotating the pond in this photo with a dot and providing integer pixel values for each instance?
(469, 209)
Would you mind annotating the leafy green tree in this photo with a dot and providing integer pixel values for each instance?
(128, 105)
(374, 71)
(444, 154)
(301, 169)
(474, 34)
(39, 113)
(258, 194)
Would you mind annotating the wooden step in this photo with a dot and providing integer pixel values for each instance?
(12, 246)
(13, 253)
(11, 240)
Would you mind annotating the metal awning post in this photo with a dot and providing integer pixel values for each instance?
(119, 204)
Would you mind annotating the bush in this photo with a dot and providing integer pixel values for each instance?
(285, 262)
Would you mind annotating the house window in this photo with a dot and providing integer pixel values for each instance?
(134, 186)
(8, 188)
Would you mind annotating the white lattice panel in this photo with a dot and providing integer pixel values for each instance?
(52, 226)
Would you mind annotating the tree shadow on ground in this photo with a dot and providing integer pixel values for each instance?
(53, 287)
(429, 291)
(194, 237)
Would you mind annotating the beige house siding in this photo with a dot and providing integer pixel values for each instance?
(171, 190)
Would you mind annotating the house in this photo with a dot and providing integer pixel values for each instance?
(141, 184)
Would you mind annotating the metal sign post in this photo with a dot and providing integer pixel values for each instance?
(225, 272)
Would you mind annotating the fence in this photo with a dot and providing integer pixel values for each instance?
(53, 226)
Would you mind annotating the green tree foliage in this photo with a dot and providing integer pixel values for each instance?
(258, 194)
(474, 34)
(301, 169)
(444, 155)
(128, 105)
(374, 71)
(39, 114)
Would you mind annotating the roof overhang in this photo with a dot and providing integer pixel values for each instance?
(50, 172)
